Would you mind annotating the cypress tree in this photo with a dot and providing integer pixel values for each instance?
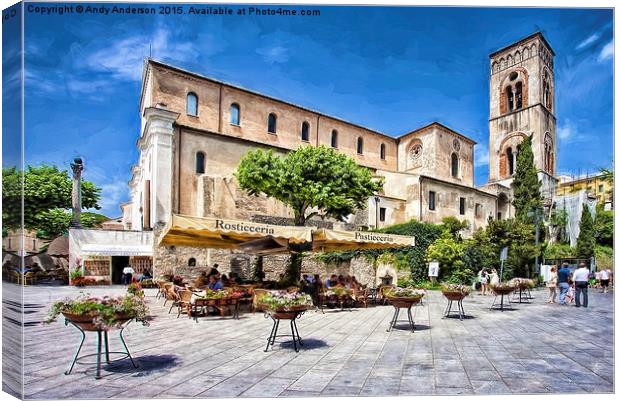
(586, 240)
(525, 186)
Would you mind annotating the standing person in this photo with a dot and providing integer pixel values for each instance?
(484, 282)
(128, 274)
(479, 282)
(552, 284)
(605, 274)
(563, 275)
(494, 278)
(580, 278)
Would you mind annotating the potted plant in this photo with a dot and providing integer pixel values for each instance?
(454, 292)
(285, 305)
(95, 314)
(135, 289)
(522, 283)
(404, 297)
(502, 288)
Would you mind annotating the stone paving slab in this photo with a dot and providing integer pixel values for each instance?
(345, 353)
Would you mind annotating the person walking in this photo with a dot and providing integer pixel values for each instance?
(484, 281)
(552, 284)
(563, 276)
(605, 274)
(580, 278)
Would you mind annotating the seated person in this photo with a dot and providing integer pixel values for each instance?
(234, 278)
(340, 282)
(333, 280)
(347, 282)
(147, 275)
(214, 283)
(224, 279)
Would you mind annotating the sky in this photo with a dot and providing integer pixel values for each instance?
(392, 69)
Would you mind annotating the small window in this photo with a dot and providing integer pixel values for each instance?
(499, 215)
(600, 188)
(200, 163)
(334, 139)
(455, 165)
(34, 244)
(234, 114)
(511, 161)
(191, 262)
(192, 104)
(381, 214)
(305, 131)
(271, 123)
(478, 210)
(462, 205)
(382, 151)
(360, 146)
(519, 95)
(431, 200)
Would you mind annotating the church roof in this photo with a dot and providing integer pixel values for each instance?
(523, 40)
(438, 125)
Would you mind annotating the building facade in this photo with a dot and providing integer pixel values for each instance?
(596, 186)
(195, 130)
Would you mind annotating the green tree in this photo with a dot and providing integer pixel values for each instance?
(559, 251)
(313, 181)
(449, 252)
(604, 226)
(454, 226)
(559, 220)
(55, 222)
(45, 188)
(526, 187)
(585, 241)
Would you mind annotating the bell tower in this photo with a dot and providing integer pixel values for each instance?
(522, 104)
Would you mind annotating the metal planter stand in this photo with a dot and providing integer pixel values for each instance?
(402, 303)
(106, 352)
(501, 304)
(460, 310)
(292, 317)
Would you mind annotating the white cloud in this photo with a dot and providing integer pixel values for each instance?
(123, 58)
(274, 54)
(565, 130)
(481, 155)
(607, 52)
(589, 40)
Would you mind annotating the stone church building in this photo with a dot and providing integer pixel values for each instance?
(196, 129)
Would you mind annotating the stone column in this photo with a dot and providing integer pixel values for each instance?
(76, 194)
(159, 132)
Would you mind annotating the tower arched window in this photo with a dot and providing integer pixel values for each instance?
(191, 262)
(360, 145)
(548, 155)
(305, 131)
(271, 123)
(519, 95)
(334, 139)
(235, 114)
(191, 106)
(382, 152)
(509, 98)
(454, 165)
(511, 162)
(200, 163)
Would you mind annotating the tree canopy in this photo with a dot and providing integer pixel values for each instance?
(586, 240)
(311, 180)
(45, 189)
(526, 187)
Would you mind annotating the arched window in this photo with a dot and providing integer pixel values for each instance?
(511, 161)
(548, 153)
(191, 262)
(360, 145)
(334, 141)
(519, 95)
(509, 98)
(234, 114)
(382, 152)
(200, 163)
(271, 123)
(305, 131)
(455, 165)
(191, 106)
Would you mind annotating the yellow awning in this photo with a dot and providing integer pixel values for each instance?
(324, 240)
(222, 233)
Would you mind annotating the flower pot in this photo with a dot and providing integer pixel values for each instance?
(86, 321)
(404, 302)
(290, 312)
(454, 295)
(503, 290)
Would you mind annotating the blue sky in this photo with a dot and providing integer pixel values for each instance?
(391, 69)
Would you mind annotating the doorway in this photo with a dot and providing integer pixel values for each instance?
(118, 264)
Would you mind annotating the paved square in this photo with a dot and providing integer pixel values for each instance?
(536, 348)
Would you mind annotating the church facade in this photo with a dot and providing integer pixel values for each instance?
(195, 130)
